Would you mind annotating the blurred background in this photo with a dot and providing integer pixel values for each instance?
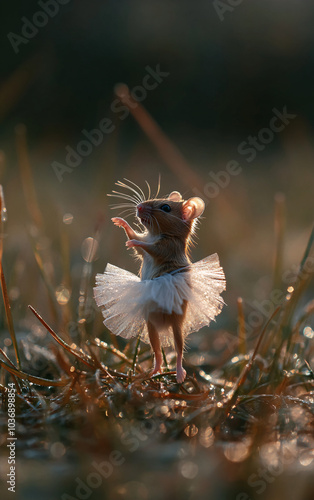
(225, 78)
(222, 73)
(227, 69)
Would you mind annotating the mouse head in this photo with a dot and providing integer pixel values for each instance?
(171, 216)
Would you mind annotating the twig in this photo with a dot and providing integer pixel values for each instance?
(85, 358)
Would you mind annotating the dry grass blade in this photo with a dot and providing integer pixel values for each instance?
(3, 215)
(177, 396)
(2, 163)
(11, 364)
(305, 275)
(46, 280)
(242, 332)
(118, 353)
(85, 287)
(280, 209)
(233, 394)
(98, 365)
(66, 280)
(7, 305)
(308, 311)
(31, 378)
(135, 357)
(85, 358)
(307, 252)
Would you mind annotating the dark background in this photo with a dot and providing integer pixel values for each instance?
(225, 76)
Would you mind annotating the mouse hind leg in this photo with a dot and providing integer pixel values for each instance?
(181, 373)
(177, 323)
(155, 343)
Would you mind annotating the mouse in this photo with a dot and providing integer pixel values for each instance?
(170, 297)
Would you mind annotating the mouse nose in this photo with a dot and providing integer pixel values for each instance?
(140, 207)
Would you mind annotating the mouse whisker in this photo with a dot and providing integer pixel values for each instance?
(140, 227)
(149, 220)
(135, 196)
(158, 187)
(127, 212)
(127, 196)
(137, 187)
(157, 223)
(127, 204)
(121, 205)
(139, 193)
(149, 190)
(123, 196)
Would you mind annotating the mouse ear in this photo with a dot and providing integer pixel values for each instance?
(193, 208)
(175, 196)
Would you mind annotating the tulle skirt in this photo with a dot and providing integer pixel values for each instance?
(127, 301)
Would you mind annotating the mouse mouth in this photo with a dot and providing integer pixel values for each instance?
(143, 213)
(144, 220)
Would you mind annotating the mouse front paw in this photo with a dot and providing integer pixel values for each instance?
(133, 243)
(119, 222)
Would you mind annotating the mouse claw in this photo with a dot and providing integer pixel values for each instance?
(118, 221)
(132, 243)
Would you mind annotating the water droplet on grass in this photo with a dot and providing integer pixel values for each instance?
(62, 295)
(308, 332)
(90, 249)
(57, 450)
(68, 218)
(189, 470)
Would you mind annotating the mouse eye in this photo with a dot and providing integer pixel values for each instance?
(165, 208)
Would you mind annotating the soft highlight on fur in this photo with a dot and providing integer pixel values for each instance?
(171, 297)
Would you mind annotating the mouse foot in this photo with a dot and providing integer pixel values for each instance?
(156, 369)
(181, 374)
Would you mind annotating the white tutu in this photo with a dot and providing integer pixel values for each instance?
(126, 301)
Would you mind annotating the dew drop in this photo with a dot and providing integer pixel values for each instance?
(191, 430)
(207, 437)
(57, 450)
(14, 293)
(90, 249)
(189, 470)
(68, 218)
(62, 295)
(4, 214)
(306, 459)
(236, 452)
(308, 332)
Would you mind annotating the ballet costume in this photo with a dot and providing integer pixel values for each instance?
(127, 301)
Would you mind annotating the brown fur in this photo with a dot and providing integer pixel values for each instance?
(164, 247)
(173, 242)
